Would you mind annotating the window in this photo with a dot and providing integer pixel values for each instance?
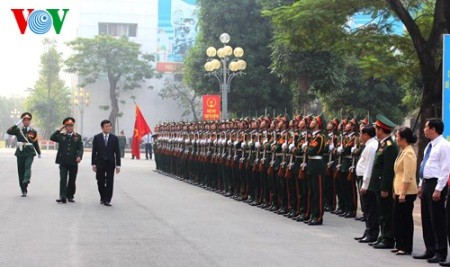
(117, 29)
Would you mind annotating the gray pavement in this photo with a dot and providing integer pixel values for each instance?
(159, 221)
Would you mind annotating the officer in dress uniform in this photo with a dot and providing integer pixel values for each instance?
(27, 148)
(381, 181)
(70, 153)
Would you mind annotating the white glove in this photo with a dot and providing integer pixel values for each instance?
(257, 144)
(331, 147)
(40, 156)
(304, 146)
(353, 149)
(235, 143)
(291, 146)
(19, 122)
(284, 146)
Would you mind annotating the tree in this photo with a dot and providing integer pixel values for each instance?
(323, 25)
(258, 89)
(117, 58)
(187, 99)
(50, 98)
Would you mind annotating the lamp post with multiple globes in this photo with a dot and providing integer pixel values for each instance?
(224, 67)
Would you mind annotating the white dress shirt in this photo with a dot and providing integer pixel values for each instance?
(365, 162)
(148, 139)
(438, 163)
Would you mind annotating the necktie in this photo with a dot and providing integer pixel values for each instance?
(424, 161)
(106, 140)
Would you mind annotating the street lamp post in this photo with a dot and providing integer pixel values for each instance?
(219, 69)
(81, 99)
(15, 113)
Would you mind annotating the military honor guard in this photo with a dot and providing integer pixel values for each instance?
(70, 153)
(27, 149)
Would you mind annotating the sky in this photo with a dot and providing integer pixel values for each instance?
(20, 54)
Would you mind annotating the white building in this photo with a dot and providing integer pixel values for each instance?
(139, 20)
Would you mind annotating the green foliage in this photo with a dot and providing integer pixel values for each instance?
(49, 100)
(187, 99)
(259, 88)
(116, 58)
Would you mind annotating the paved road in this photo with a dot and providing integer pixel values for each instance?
(160, 221)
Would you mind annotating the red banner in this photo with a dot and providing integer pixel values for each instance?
(140, 129)
(211, 107)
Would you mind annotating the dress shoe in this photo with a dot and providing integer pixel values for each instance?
(302, 218)
(367, 240)
(107, 204)
(395, 250)
(423, 256)
(444, 263)
(360, 237)
(314, 222)
(436, 259)
(307, 221)
(71, 200)
(273, 208)
(350, 215)
(102, 202)
(24, 194)
(337, 211)
(376, 242)
(401, 253)
(383, 245)
(61, 201)
(358, 218)
(327, 209)
(282, 211)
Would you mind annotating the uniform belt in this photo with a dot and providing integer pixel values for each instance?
(315, 157)
(279, 154)
(24, 144)
(348, 157)
(298, 157)
(248, 151)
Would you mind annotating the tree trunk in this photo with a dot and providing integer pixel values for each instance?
(192, 104)
(431, 104)
(114, 102)
(302, 94)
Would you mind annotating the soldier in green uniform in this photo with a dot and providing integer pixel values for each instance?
(382, 179)
(122, 143)
(27, 148)
(70, 153)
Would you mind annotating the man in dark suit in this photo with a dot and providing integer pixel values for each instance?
(105, 159)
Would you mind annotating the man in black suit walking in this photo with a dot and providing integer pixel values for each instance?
(105, 160)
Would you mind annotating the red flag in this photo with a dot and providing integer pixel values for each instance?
(140, 129)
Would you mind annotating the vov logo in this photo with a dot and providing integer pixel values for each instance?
(40, 21)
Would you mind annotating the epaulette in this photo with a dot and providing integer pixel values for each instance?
(388, 143)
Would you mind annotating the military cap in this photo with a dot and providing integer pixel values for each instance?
(26, 115)
(353, 122)
(69, 121)
(321, 120)
(367, 120)
(335, 122)
(384, 123)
